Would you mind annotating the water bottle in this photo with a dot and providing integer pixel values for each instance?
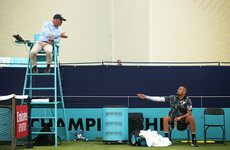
(175, 125)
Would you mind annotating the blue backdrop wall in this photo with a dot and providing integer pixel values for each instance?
(89, 88)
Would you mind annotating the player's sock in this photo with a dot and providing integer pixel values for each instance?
(166, 134)
(193, 136)
(194, 142)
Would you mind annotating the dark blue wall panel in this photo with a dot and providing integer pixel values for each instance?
(128, 81)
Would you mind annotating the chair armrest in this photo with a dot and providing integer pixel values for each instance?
(25, 42)
(30, 44)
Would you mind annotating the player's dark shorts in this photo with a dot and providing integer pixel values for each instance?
(181, 124)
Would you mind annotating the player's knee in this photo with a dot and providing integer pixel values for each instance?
(166, 118)
(191, 118)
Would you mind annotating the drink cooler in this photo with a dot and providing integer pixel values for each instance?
(115, 124)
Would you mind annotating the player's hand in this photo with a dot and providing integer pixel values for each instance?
(63, 35)
(50, 38)
(177, 119)
(142, 96)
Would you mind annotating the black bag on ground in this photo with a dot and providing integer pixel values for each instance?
(136, 139)
(135, 122)
(45, 139)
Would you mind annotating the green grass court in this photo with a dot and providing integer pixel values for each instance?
(90, 145)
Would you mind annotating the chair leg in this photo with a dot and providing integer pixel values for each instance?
(188, 136)
(205, 136)
(224, 136)
(170, 134)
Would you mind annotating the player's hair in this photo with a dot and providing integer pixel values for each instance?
(185, 88)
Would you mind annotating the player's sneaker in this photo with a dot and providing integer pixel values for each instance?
(194, 143)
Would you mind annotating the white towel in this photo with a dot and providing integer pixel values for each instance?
(153, 139)
(40, 100)
(7, 97)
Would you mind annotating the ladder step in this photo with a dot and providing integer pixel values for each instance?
(43, 132)
(44, 103)
(41, 74)
(42, 117)
(46, 88)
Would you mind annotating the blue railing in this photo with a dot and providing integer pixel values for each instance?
(21, 62)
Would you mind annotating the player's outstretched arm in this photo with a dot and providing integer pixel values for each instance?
(142, 96)
(152, 98)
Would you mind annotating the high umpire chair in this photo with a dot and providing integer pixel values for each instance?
(221, 124)
(29, 88)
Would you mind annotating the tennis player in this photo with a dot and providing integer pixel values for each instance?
(181, 111)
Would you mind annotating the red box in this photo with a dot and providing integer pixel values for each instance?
(21, 121)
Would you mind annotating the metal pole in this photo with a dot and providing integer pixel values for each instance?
(29, 137)
(201, 105)
(128, 101)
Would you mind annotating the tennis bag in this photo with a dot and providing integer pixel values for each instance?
(45, 139)
(135, 122)
(136, 140)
